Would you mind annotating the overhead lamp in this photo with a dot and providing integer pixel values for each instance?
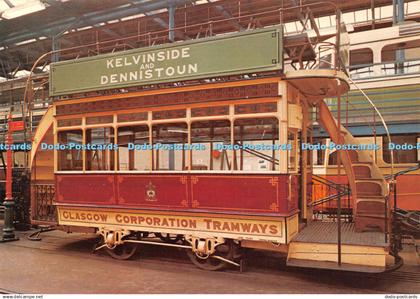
(23, 9)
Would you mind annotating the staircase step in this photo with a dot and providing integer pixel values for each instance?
(370, 179)
(370, 196)
(368, 188)
(370, 206)
(374, 214)
(379, 199)
(353, 156)
(361, 171)
(368, 163)
(370, 223)
(373, 217)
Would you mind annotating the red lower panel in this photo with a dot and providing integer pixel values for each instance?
(408, 192)
(250, 194)
(256, 193)
(160, 191)
(89, 189)
(320, 191)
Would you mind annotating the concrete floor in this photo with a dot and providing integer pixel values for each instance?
(63, 263)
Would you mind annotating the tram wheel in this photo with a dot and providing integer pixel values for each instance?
(169, 238)
(209, 263)
(124, 251)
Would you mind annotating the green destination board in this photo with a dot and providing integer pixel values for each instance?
(230, 54)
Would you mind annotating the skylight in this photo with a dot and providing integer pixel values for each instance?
(20, 8)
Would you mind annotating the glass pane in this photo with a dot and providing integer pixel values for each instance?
(70, 156)
(210, 140)
(318, 155)
(258, 141)
(100, 150)
(404, 148)
(134, 148)
(294, 151)
(169, 142)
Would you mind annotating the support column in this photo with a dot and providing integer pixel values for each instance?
(399, 54)
(171, 13)
(9, 204)
(55, 47)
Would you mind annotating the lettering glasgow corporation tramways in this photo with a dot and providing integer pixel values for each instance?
(173, 222)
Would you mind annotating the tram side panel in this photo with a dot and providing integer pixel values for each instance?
(253, 194)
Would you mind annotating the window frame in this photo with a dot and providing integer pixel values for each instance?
(188, 120)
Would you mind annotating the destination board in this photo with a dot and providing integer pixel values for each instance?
(230, 54)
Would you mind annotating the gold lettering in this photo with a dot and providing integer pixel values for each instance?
(273, 229)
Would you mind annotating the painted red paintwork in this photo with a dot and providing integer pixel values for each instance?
(408, 191)
(170, 190)
(321, 191)
(229, 193)
(89, 189)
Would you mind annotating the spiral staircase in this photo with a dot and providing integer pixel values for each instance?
(368, 186)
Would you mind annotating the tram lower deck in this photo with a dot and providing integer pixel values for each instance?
(210, 177)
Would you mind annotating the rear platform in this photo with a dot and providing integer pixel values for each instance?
(315, 246)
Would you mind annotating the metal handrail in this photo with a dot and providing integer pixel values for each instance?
(327, 199)
(405, 171)
(329, 183)
(353, 68)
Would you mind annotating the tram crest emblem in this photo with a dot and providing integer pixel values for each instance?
(151, 192)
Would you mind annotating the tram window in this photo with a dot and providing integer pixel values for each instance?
(133, 152)
(400, 155)
(165, 114)
(69, 122)
(293, 153)
(360, 58)
(105, 119)
(259, 141)
(169, 140)
(332, 158)
(19, 159)
(418, 149)
(139, 116)
(209, 111)
(255, 108)
(318, 155)
(101, 154)
(212, 136)
(70, 159)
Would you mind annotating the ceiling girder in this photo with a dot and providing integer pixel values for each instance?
(90, 19)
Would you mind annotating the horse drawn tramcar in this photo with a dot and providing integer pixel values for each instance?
(203, 152)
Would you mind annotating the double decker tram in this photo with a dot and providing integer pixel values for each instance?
(205, 156)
